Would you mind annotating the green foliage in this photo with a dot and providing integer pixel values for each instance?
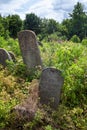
(15, 25)
(10, 45)
(1, 29)
(84, 41)
(19, 69)
(75, 39)
(76, 24)
(4, 27)
(10, 25)
(68, 57)
(32, 22)
(79, 19)
(52, 26)
(48, 127)
(49, 27)
(5, 108)
(34, 123)
(66, 118)
(12, 91)
(66, 28)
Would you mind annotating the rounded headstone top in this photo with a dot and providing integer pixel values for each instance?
(51, 70)
(26, 33)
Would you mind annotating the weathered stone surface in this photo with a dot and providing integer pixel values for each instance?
(12, 56)
(29, 48)
(4, 55)
(50, 86)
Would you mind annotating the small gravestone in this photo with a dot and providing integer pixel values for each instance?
(29, 48)
(50, 86)
(12, 56)
(4, 55)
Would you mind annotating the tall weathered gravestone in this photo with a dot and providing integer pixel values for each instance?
(29, 48)
(50, 86)
(4, 55)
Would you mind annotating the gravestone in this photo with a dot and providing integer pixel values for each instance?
(29, 49)
(4, 55)
(50, 86)
(12, 56)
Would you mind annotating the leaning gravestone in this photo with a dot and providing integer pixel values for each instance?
(29, 48)
(50, 86)
(4, 55)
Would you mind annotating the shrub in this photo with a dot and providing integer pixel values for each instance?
(75, 39)
(19, 69)
(84, 41)
(10, 45)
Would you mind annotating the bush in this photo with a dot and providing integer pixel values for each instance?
(75, 39)
(20, 69)
(10, 45)
(84, 41)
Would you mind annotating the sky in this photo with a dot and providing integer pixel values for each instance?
(55, 9)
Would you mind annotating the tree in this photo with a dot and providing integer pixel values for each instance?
(66, 28)
(52, 26)
(15, 25)
(4, 27)
(78, 18)
(48, 27)
(1, 30)
(1, 27)
(32, 22)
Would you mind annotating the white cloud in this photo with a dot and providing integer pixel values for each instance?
(56, 9)
(41, 7)
(12, 6)
(45, 9)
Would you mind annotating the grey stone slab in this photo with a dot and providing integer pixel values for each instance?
(50, 86)
(29, 48)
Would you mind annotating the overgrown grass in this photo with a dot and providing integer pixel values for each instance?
(71, 59)
(10, 45)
